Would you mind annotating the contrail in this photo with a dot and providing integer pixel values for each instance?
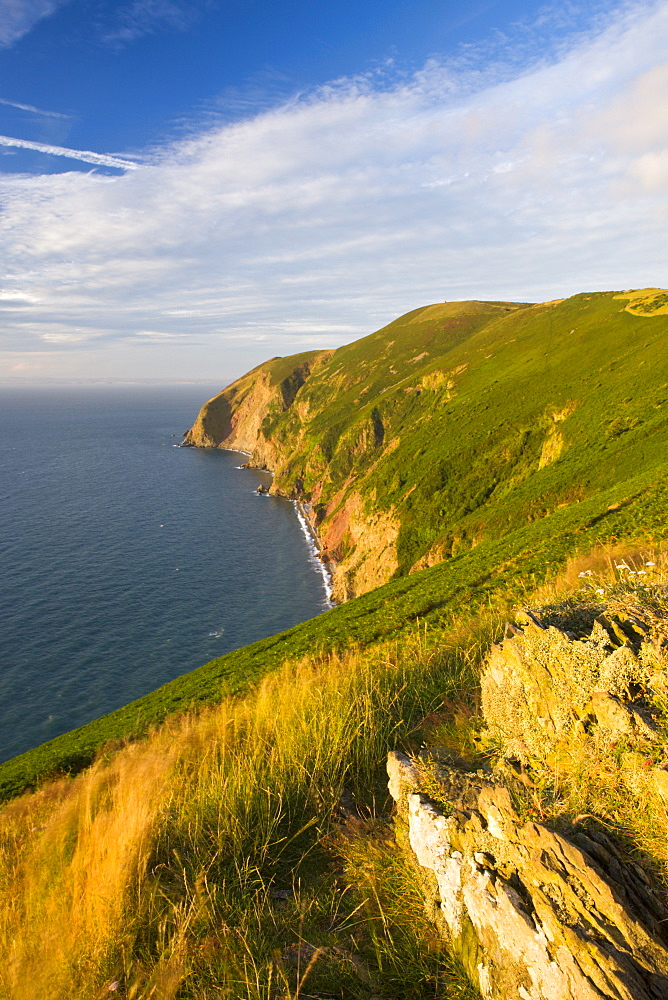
(100, 159)
(29, 107)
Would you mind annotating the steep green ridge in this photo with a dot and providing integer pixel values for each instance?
(462, 421)
(536, 432)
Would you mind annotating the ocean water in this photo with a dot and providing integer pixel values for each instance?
(125, 560)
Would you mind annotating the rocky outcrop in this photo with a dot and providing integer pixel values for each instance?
(543, 686)
(533, 912)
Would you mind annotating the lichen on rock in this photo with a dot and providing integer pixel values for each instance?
(541, 682)
(532, 912)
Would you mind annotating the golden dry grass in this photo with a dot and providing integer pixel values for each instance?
(72, 855)
(153, 874)
(645, 297)
(214, 859)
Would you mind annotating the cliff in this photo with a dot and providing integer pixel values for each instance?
(233, 419)
(456, 423)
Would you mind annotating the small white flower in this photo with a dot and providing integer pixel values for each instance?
(641, 572)
(650, 564)
(600, 591)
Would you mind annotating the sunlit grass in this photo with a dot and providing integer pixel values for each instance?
(242, 852)
(247, 852)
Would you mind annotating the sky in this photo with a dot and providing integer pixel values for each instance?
(189, 187)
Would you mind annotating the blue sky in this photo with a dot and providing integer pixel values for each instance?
(112, 75)
(188, 188)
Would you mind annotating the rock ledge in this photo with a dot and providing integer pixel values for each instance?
(535, 913)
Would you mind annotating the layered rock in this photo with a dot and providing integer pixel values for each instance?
(533, 912)
(542, 685)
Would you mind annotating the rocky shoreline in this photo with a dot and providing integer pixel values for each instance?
(305, 518)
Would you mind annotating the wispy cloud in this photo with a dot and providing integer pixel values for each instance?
(118, 22)
(134, 18)
(32, 110)
(84, 155)
(17, 297)
(18, 17)
(311, 223)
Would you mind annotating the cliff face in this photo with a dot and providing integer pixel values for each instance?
(233, 419)
(456, 423)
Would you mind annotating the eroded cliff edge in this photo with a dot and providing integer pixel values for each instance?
(456, 423)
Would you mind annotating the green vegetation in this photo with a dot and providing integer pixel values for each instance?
(495, 573)
(657, 303)
(581, 382)
(228, 835)
(246, 851)
(466, 421)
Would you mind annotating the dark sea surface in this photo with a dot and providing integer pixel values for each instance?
(124, 560)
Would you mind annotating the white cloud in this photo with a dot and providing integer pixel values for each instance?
(18, 17)
(84, 155)
(651, 171)
(16, 296)
(33, 110)
(57, 335)
(323, 219)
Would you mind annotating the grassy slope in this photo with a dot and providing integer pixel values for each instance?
(246, 851)
(453, 444)
(501, 569)
(197, 862)
(334, 429)
(468, 466)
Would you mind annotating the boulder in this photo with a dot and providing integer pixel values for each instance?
(540, 682)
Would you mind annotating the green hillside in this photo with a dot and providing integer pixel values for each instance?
(520, 435)
(463, 421)
(535, 408)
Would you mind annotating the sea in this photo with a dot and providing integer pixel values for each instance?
(125, 559)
